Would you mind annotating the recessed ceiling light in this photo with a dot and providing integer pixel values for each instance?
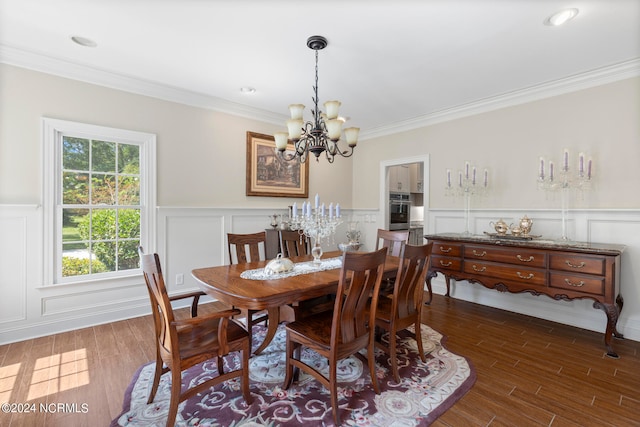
(83, 41)
(248, 89)
(561, 17)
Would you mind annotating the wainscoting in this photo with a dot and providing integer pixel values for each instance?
(188, 238)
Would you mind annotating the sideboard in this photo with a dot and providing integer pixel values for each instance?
(558, 269)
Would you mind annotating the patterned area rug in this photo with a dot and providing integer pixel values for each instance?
(426, 390)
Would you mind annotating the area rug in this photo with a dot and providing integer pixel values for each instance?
(425, 392)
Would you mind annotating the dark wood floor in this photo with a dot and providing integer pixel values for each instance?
(530, 371)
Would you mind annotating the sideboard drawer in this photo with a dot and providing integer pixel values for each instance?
(578, 264)
(577, 283)
(440, 262)
(519, 256)
(533, 276)
(446, 249)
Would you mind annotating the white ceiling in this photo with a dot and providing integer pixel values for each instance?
(393, 64)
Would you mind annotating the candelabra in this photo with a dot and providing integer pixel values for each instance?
(315, 223)
(468, 185)
(565, 180)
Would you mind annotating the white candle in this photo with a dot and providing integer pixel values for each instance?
(486, 177)
(317, 200)
(331, 210)
(581, 163)
(295, 209)
(589, 169)
(460, 178)
(565, 166)
(474, 175)
(541, 168)
(338, 210)
(551, 171)
(322, 210)
(466, 170)
(449, 178)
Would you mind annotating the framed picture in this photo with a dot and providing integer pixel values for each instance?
(269, 175)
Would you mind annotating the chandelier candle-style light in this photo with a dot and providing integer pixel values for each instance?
(315, 223)
(469, 183)
(565, 179)
(322, 134)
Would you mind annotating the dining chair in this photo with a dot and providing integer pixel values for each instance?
(292, 243)
(183, 343)
(195, 294)
(246, 247)
(404, 308)
(393, 240)
(345, 330)
(250, 248)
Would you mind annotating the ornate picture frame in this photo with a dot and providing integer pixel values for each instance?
(269, 175)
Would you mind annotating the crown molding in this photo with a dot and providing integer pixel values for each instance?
(49, 65)
(593, 78)
(46, 64)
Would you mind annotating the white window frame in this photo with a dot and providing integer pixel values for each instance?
(52, 132)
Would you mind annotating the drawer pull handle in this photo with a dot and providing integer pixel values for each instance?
(446, 251)
(446, 264)
(479, 270)
(521, 258)
(576, 285)
(582, 264)
(483, 253)
(522, 276)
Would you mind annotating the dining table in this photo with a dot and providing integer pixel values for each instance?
(249, 286)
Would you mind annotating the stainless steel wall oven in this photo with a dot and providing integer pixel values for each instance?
(399, 211)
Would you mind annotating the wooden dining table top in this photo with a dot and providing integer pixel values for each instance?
(225, 284)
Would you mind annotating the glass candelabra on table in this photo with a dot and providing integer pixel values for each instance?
(565, 180)
(315, 223)
(468, 184)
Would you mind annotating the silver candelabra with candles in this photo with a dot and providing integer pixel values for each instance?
(564, 179)
(315, 223)
(468, 183)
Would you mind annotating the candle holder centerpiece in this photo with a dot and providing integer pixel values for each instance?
(468, 184)
(315, 223)
(565, 179)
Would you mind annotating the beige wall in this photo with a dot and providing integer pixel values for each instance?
(201, 153)
(603, 122)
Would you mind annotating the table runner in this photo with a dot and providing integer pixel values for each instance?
(298, 268)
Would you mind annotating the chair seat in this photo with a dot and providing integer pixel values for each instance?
(193, 339)
(316, 327)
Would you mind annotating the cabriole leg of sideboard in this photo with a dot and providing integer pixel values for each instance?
(613, 312)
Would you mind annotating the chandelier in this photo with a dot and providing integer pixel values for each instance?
(322, 134)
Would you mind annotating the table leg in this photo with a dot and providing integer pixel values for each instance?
(272, 327)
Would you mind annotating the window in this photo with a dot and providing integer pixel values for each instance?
(99, 198)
